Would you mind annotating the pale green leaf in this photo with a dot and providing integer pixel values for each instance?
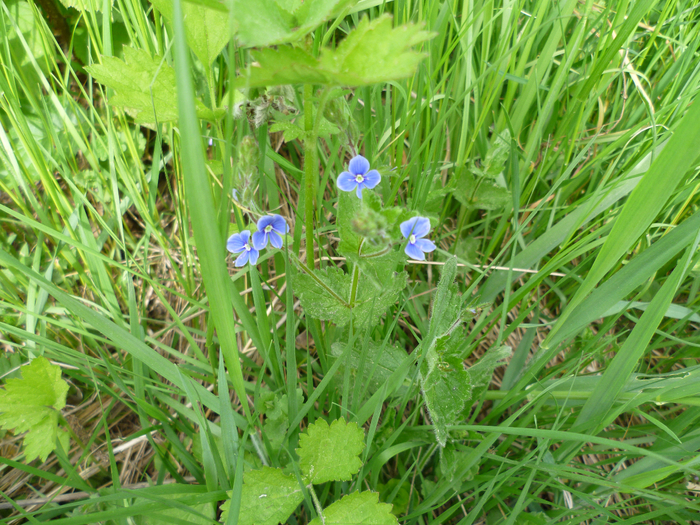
(268, 22)
(358, 508)
(348, 65)
(132, 79)
(206, 30)
(445, 383)
(330, 453)
(32, 404)
(91, 6)
(269, 497)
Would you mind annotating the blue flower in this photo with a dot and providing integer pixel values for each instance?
(270, 227)
(359, 176)
(413, 230)
(240, 243)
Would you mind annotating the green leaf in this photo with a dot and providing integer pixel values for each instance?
(381, 362)
(454, 459)
(276, 407)
(347, 65)
(269, 497)
(91, 6)
(480, 193)
(268, 22)
(358, 508)
(132, 79)
(206, 30)
(372, 302)
(32, 404)
(330, 453)
(327, 301)
(446, 385)
(481, 373)
(495, 161)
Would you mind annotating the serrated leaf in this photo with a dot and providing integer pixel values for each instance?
(495, 161)
(480, 193)
(454, 459)
(275, 407)
(372, 302)
(206, 30)
(446, 307)
(330, 453)
(32, 404)
(268, 22)
(328, 304)
(291, 130)
(445, 383)
(268, 497)
(347, 65)
(358, 508)
(132, 78)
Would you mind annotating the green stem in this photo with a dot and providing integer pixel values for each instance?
(310, 163)
(317, 503)
(355, 279)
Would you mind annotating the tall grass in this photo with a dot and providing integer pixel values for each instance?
(590, 274)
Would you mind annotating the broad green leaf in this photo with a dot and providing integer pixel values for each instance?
(390, 49)
(132, 79)
(455, 459)
(446, 385)
(372, 302)
(330, 453)
(207, 30)
(327, 301)
(481, 373)
(349, 207)
(269, 497)
(446, 308)
(32, 404)
(358, 508)
(275, 407)
(495, 161)
(268, 22)
(480, 192)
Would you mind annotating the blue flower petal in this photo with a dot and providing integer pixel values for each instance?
(279, 224)
(265, 221)
(359, 189)
(259, 240)
(235, 244)
(408, 226)
(275, 239)
(372, 179)
(358, 165)
(346, 181)
(422, 227)
(425, 245)
(414, 252)
(242, 258)
(253, 256)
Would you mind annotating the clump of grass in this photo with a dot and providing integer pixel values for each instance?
(587, 269)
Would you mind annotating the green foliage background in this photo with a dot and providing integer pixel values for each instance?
(552, 145)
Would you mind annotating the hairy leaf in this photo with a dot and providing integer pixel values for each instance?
(330, 453)
(358, 508)
(481, 372)
(329, 301)
(349, 64)
(32, 404)
(269, 497)
(132, 79)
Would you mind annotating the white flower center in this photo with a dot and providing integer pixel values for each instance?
(268, 228)
(359, 178)
(412, 239)
(247, 247)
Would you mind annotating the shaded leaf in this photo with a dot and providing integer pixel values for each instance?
(481, 372)
(268, 497)
(330, 453)
(358, 508)
(32, 404)
(480, 193)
